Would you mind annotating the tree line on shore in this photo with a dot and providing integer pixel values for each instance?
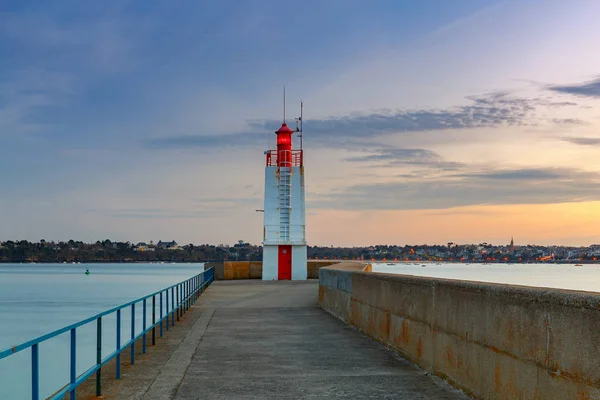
(108, 251)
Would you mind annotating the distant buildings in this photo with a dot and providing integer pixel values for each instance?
(172, 245)
(142, 246)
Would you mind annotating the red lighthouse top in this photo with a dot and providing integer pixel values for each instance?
(284, 137)
(284, 156)
(284, 146)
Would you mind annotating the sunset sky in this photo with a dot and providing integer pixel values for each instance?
(425, 121)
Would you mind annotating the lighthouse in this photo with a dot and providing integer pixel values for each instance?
(284, 240)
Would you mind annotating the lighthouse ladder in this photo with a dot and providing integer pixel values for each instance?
(285, 189)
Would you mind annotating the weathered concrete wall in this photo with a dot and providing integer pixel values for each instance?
(313, 267)
(253, 269)
(493, 341)
(219, 269)
(236, 269)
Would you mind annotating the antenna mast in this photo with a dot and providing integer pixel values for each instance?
(299, 124)
(301, 133)
(284, 104)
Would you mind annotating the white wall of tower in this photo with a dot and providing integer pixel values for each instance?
(297, 215)
(271, 207)
(271, 231)
(299, 271)
(270, 263)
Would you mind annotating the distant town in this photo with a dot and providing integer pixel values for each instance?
(171, 251)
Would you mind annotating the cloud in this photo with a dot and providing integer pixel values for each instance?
(203, 208)
(158, 214)
(527, 174)
(391, 157)
(588, 89)
(516, 186)
(410, 156)
(568, 121)
(492, 110)
(583, 141)
(228, 202)
(488, 110)
(209, 142)
(54, 60)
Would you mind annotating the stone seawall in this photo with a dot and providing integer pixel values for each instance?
(226, 270)
(492, 341)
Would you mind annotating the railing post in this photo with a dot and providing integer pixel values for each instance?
(161, 314)
(118, 344)
(178, 295)
(167, 309)
(154, 320)
(132, 333)
(144, 327)
(73, 369)
(35, 372)
(99, 356)
(172, 305)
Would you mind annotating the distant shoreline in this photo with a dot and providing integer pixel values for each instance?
(410, 262)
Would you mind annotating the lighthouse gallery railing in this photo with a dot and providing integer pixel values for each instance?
(292, 158)
(182, 296)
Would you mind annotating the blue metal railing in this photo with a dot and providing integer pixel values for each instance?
(183, 295)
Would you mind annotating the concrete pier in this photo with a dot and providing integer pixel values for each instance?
(494, 341)
(250, 339)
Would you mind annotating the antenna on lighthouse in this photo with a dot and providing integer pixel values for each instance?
(284, 104)
(299, 124)
(301, 119)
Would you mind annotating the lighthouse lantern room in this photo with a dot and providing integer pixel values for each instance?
(284, 240)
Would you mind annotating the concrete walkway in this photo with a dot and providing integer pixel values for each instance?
(266, 340)
(269, 340)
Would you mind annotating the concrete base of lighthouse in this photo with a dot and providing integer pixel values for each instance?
(272, 258)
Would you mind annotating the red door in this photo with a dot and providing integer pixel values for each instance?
(284, 263)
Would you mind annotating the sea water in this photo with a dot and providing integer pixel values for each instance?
(36, 299)
(561, 276)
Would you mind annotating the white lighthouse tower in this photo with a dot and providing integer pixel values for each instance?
(284, 240)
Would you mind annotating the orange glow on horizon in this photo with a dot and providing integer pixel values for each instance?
(565, 224)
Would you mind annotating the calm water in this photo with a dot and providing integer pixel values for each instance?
(36, 299)
(562, 276)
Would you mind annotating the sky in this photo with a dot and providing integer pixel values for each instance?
(424, 122)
